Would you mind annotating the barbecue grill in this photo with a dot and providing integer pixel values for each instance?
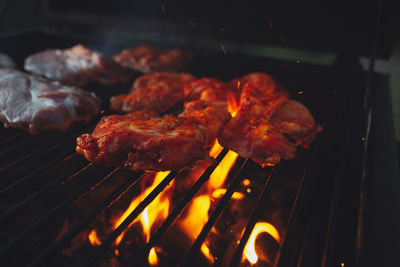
(325, 204)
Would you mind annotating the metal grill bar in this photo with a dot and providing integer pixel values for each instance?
(42, 149)
(254, 217)
(34, 153)
(9, 136)
(141, 257)
(283, 254)
(89, 185)
(36, 195)
(10, 148)
(82, 223)
(46, 166)
(330, 238)
(136, 212)
(213, 218)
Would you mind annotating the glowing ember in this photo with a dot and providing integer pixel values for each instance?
(218, 193)
(269, 22)
(223, 49)
(300, 92)
(342, 264)
(246, 182)
(153, 259)
(238, 85)
(94, 239)
(260, 227)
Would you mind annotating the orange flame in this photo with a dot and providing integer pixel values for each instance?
(153, 259)
(199, 207)
(218, 193)
(260, 227)
(217, 178)
(207, 253)
(158, 209)
(215, 149)
(197, 217)
(94, 239)
(233, 105)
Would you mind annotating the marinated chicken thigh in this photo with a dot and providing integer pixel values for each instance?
(158, 92)
(142, 141)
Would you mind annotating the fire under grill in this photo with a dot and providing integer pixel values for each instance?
(59, 209)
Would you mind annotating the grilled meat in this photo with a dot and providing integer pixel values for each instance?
(208, 89)
(211, 90)
(267, 127)
(35, 104)
(296, 122)
(77, 66)
(141, 141)
(148, 59)
(158, 92)
(261, 82)
(6, 61)
(251, 134)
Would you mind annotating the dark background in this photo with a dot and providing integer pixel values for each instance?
(344, 27)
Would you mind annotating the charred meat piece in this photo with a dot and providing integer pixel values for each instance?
(158, 92)
(296, 122)
(148, 59)
(141, 141)
(35, 104)
(77, 66)
(6, 61)
(252, 134)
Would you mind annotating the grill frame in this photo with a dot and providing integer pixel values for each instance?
(355, 133)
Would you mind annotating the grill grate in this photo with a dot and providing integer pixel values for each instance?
(36, 168)
(93, 182)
